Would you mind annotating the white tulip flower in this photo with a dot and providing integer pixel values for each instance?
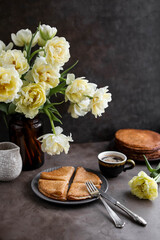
(70, 78)
(46, 33)
(23, 37)
(44, 72)
(4, 47)
(100, 101)
(78, 89)
(57, 51)
(10, 84)
(31, 97)
(56, 143)
(14, 58)
(79, 109)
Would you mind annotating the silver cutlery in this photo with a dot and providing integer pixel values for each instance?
(134, 216)
(93, 191)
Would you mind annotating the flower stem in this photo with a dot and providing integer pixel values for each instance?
(50, 119)
(30, 45)
(34, 53)
(157, 178)
(62, 79)
(63, 74)
(148, 165)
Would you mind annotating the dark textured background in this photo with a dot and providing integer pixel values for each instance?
(117, 44)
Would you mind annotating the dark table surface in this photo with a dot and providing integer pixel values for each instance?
(24, 216)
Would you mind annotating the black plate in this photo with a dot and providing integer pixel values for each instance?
(34, 186)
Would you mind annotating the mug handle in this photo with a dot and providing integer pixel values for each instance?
(131, 163)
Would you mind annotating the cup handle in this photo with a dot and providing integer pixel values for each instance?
(131, 163)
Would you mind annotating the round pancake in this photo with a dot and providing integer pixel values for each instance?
(138, 139)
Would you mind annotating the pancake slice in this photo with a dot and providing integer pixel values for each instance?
(78, 191)
(82, 176)
(61, 174)
(53, 189)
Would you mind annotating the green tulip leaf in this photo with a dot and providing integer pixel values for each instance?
(4, 107)
(11, 108)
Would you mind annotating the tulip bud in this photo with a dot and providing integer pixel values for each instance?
(46, 33)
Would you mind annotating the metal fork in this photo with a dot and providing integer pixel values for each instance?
(93, 191)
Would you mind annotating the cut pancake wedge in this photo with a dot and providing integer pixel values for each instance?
(78, 191)
(61, 174)
(53, 189)
(82, 176)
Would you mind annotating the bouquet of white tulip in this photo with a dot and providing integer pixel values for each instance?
(30, 76)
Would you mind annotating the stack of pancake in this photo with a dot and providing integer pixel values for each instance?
(136, 142)
(55, 184)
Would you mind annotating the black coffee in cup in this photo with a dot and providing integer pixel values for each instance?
(112, 159)
(112, 163)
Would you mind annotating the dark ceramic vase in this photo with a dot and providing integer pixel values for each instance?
(24, 132)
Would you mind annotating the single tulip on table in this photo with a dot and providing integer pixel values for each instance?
(144, 186)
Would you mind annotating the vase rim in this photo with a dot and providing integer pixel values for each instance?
(9, 146)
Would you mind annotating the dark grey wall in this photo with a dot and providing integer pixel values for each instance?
(117, 43)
